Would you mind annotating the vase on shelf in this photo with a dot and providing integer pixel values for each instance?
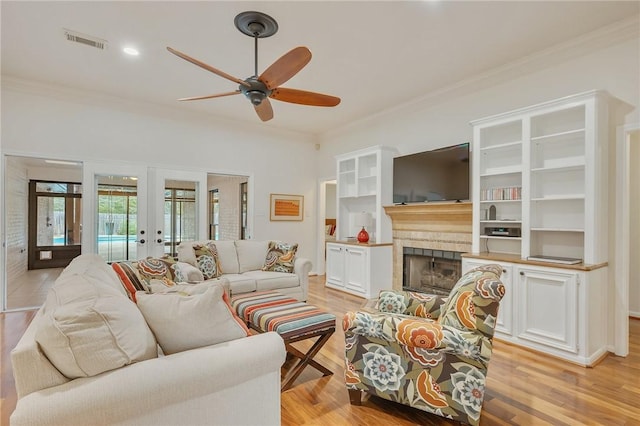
(363, 236)
(363, 219)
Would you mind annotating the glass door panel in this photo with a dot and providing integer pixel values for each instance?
(179, 214)
(180, 209)
(117, 218)
(55, 223)
(115, 211)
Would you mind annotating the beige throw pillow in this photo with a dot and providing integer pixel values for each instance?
(86, 338)
(181, 322)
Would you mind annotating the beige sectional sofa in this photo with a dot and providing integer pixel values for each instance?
(90, 358)
(241, 262)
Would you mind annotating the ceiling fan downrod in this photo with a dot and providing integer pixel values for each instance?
(256, 25)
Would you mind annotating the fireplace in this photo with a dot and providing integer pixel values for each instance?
(430, 271)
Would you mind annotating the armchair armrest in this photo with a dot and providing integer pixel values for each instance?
(302, 267)
(410, 303)
(418, 334)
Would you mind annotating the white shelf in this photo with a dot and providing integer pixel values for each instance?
(560, 197)
(501, 146)
(572, 164)
(511, 170)
(495, 237)
(557, 135)
(556, 152)
(556, 230)
(500, 201)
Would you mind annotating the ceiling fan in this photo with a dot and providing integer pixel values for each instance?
(259, 88)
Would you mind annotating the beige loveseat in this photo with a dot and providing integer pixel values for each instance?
(241, 264)
(90, 358)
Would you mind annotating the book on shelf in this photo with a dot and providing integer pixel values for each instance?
(556, 259)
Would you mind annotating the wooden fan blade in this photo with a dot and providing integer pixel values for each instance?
(285, 67)
(208, 67)
(303, 97)
(219, 95)
(264, 110)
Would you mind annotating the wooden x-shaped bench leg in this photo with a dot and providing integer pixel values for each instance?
(306, 358)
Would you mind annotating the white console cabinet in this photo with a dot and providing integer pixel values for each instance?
(360, 269)
(560, 311)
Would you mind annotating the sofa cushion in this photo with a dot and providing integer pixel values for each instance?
(280, 257)
(93, 266)
(187, 273)
(182, 322)
(207, 260)
(137, 275)
(227, 255)
(240, 283)
(130, 278)
(84, 338)
(251, 254)
(267, 280)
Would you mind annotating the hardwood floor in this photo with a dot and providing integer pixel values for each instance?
(523, 387)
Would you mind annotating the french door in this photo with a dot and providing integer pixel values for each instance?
(133, 212)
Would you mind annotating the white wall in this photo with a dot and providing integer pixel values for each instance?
(16, 194)
(67, 124)
(634, 219)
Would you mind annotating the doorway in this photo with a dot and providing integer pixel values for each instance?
(327, 214)
(56, 211)
(626, 296)
(228, 207)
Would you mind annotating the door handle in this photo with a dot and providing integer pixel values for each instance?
(159, 240)
(141, 241)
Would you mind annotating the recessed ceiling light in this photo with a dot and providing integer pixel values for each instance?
(131, 51)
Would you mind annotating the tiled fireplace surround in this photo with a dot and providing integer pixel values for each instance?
(437, 226)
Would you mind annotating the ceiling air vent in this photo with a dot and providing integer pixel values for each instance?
(85, 39)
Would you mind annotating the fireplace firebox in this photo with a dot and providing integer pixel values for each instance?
(430, 271)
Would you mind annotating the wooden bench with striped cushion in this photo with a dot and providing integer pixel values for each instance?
(291, 319)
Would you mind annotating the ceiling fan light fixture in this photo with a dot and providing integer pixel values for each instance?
(255, 96)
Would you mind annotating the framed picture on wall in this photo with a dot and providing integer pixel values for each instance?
(286, 207)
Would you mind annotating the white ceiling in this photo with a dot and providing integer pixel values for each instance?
(374, 55)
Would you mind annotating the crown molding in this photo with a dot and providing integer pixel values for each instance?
(604, 37)
(99, 99)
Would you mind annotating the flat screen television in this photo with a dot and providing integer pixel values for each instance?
(438, 175)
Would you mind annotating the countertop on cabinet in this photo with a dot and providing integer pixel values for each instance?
(512, 258)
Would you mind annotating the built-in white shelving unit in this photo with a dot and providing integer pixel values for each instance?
(365, 185)
(543, 171)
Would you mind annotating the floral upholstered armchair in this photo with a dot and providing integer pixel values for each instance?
(426, 351)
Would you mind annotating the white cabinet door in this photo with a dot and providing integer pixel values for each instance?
(335, 265)
(504, 322)
(356, 269)
(547, 304)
